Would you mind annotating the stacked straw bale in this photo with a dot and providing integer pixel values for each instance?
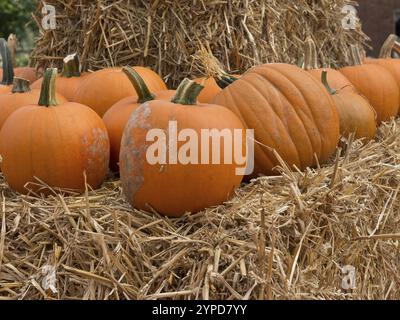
(286, 237)
(164, 35)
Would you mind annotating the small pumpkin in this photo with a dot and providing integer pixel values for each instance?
(337, 80)
(376, 84)
(173, 189)
(356, 115)
(290, 112)
(58, 144)
(70, 78)
(212, 86)
(102, 89)
(118, 115)
(8, 70)
(20, 96)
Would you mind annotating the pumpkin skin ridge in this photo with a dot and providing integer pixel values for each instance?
(296, 112)
(311, 124)
(273, 106)
(318, 149)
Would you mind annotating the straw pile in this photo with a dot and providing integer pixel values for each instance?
(165, 34)
(285, 237)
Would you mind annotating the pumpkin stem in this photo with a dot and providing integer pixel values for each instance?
(141, 88)
(324, 79)
(20, 86)
(48, 90)
(387, 47)
(355, 55)
(8, 68)
(187, 93)
(225, 81)
(310, 55)
(71, 66)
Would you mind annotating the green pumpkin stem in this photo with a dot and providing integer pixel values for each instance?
(324, 79)
(48, 90)
(225, 81)
(140, 86)
(310, 55)
(71, 66)
(8, 68)
(21, 86)
(187, 93)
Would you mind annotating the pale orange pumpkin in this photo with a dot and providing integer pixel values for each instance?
(173, 189)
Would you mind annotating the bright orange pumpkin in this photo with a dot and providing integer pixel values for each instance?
(337, 80)
(376, 84)
(69, 80)
(291, 114)
(102, 89)
(118, 115)
(356, 115)
(173, 189)
(58, 144)
(20, 96)
(212, 87)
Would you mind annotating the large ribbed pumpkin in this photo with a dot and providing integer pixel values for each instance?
(118, 115)
(291, 113)
(376, 84)
(176, 186)
(102, 89)
(337, 80)
(69, 80)
(58, 144)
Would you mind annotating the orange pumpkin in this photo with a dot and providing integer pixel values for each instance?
(376, 84)
(102, 89)
(58, 144)
(69, 80)
(118, 115)
(8, 69)
(337, 80)
(173, 189)
(20, 96)
(356, 115)
(291, 113)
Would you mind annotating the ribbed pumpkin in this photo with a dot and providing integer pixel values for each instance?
(20, 96)
(385, 59)
(102, 89)
(376, 84)
(173, 189)
(8, 70)
(118, 115)
(356, 115)
(69, 80)
(290, 111)
(337, 80)
(58, 144)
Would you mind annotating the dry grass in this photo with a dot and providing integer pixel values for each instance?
(284, 237)
(164, 35)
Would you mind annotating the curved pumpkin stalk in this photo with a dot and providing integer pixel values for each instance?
(324, 79)
(388, 46)
(140, 86)
(8, 68)
(187, 93)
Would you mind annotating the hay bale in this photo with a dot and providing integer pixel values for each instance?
(285, 237)
(165, 34)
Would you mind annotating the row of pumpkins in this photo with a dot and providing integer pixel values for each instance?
(69, 129)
